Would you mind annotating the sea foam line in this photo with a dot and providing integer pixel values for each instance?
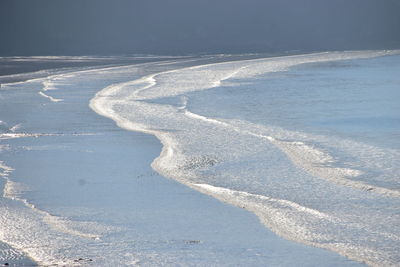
(151, 87)
(317, 160)
(313, 160)
(52, 234)
(14, 191)
(281, 216)
(279, 202)
(52, 99)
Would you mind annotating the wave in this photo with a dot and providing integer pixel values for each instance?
(52, 99)
(47, 238)
(90, 230)
(57, 240)
(293, 181)
(49, 230)
(182, 81)
(297, 223)
(33, 231)
(317, 161)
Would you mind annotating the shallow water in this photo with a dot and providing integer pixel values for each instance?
(351, 98)
(282, 142)
(79, 191)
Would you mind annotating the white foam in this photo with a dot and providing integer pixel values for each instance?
(52, 99)
(5, 169)
(283, 217)
(290, 180)
(211, 75)
(15, 127)
(10, 254)
(260, 198)
(50, 239)
(45, 237)
(315, 161)
(14, 135)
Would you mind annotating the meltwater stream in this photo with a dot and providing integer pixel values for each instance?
(311, 149)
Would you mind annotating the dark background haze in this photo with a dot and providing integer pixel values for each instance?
(76, 27)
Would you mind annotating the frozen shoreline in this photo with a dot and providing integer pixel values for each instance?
(97, 177)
